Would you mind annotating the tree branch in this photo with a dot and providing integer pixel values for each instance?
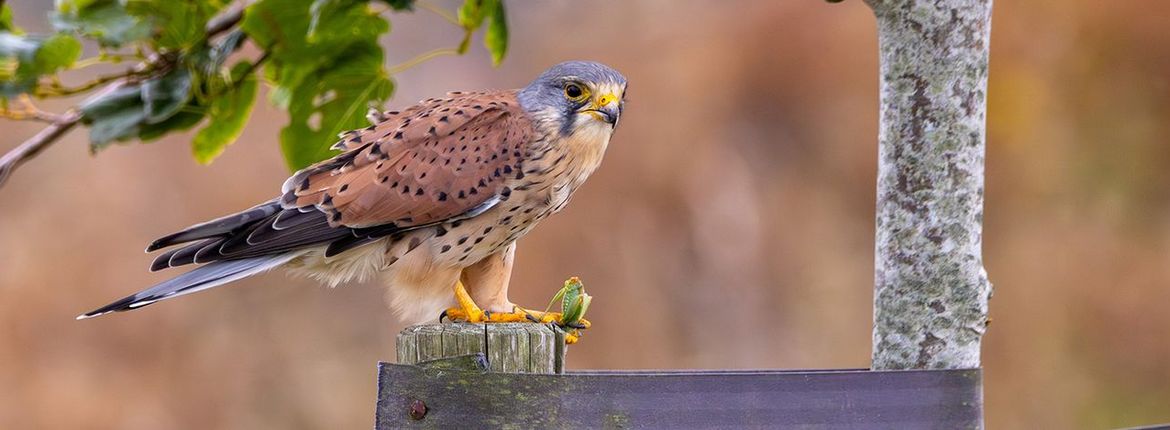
(65, 122)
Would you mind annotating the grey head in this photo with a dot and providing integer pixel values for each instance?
(575, 94)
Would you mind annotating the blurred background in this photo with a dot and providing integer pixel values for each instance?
(741, 179)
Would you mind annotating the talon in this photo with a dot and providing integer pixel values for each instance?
(442, 315)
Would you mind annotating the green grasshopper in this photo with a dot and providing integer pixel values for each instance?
(574, 302)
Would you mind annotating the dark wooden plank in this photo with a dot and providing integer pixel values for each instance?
(848, 399)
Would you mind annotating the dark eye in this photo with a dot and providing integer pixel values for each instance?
(574, 91)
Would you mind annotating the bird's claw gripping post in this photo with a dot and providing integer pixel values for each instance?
(574, 303)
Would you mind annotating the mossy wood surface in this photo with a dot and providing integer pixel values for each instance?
(509, 348)
(461, 393)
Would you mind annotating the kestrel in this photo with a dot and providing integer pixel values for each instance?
(431, 198)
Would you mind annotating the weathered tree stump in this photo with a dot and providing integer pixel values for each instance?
(509, 348)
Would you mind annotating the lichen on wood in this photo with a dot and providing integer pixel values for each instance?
(931, 290)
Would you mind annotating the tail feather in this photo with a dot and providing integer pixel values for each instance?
(205, 277)
(218, 226)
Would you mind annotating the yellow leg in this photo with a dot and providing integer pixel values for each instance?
(467, 310)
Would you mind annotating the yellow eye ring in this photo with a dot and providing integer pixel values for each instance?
(575, 92)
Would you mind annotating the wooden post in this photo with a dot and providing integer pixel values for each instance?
(931, 292)
(509, 348)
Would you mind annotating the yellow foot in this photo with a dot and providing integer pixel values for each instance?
(468, 311)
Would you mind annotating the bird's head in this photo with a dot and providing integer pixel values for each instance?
(577, 96)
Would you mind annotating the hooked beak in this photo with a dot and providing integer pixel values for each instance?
(606, 108)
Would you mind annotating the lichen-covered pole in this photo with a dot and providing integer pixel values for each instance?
(931, 291)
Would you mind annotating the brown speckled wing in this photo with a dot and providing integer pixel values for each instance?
(442, 159)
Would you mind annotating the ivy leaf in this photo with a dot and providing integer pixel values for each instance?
(107, 21)
(496, 37)
(226, 116)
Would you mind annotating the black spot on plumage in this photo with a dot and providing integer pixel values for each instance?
(394, 185)
(418, 192)
(327, 200)
(462, 195)
(336, 216)
(442, 196)
(432, 131)
(445, 249)
(393, 112)
(384, 179)
(506, 192)
(398, 135)
(443, 119)
(472, 191)
(459, 112)
(462, 240)
(477, 240)
(414, 243)
(406, 189)
(487, 230)
(496, 173)
(456, 224)
(423, 175)
(477, 107)
(519, 174)
(440, 231)
(507, 169)
(343, 188)
(482, 184)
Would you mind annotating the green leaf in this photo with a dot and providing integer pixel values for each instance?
(175, 24)
(6, 20)
(496, 37)
(107, 21)
(114, 116)
(188, 117)
(400, 5)
(162, 97)
(328, 103)
(24, 59)
(326, 64)
(58, 52)
(471, 13)
(226, 116)
(147, 110)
